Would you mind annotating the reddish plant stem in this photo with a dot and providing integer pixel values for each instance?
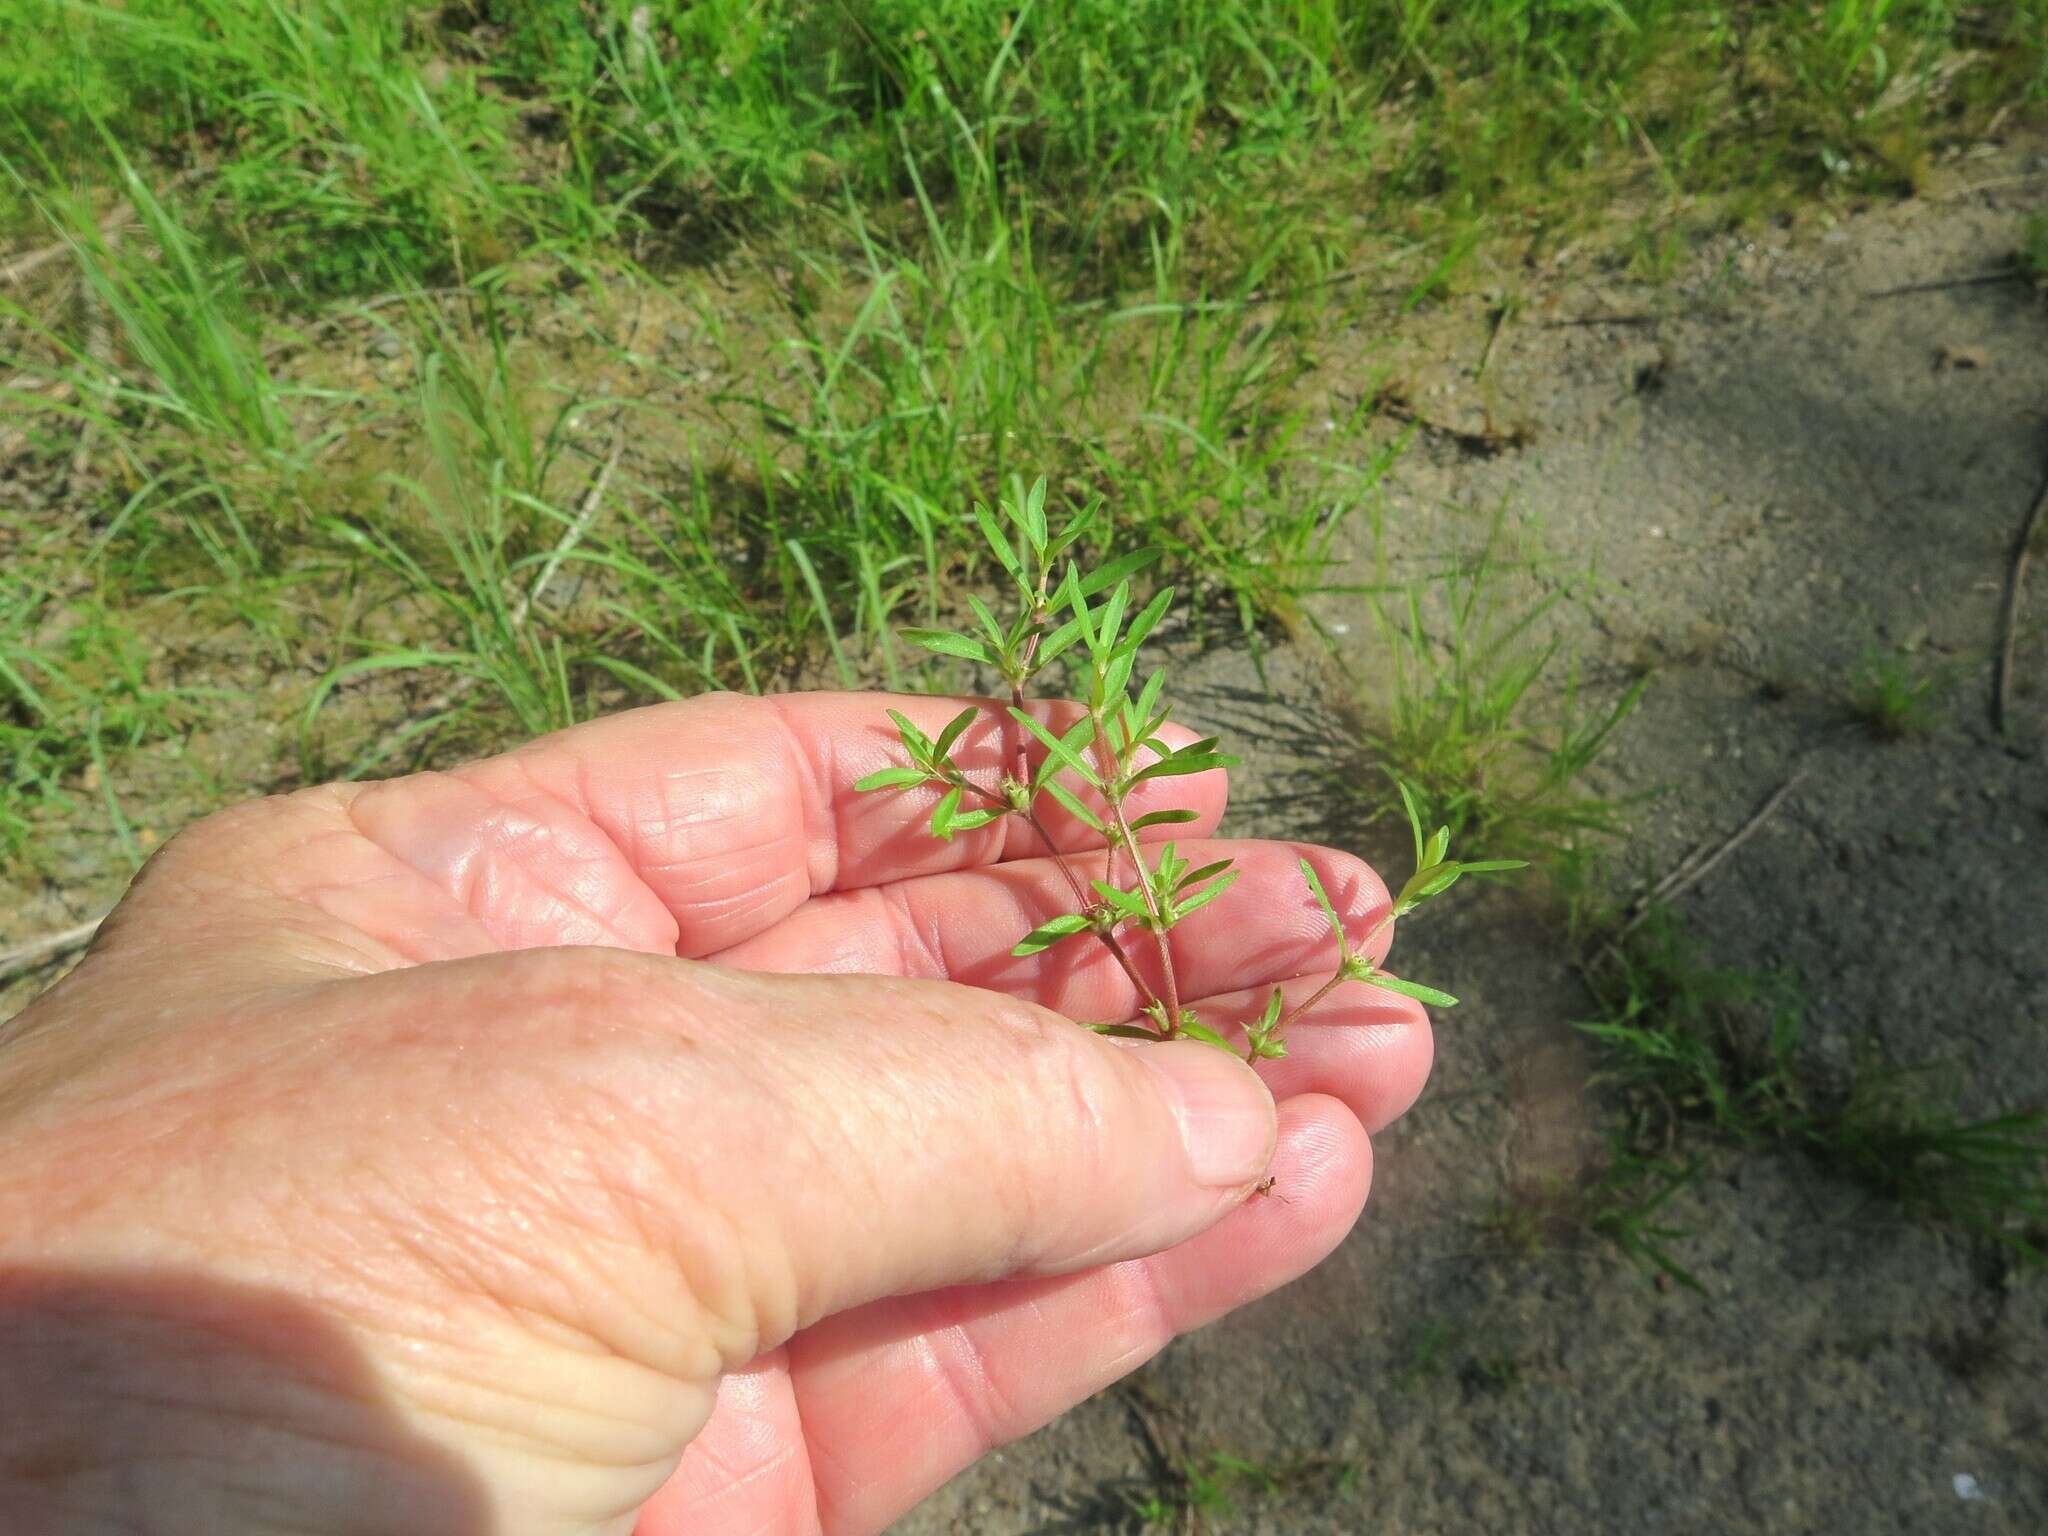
(1038, 618)
(1335, 981)
(1320, 993)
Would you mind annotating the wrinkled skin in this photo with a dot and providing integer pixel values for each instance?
(639, 1131)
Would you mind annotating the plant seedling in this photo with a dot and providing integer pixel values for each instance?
(1091, 620)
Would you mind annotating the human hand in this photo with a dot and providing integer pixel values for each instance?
(383, 1167)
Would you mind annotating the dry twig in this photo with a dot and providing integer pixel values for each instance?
(586, 513)
(19, 268)
(37, 951)
(2009, 609)
(1698, 864)
(1974, 280)
(1572, 320)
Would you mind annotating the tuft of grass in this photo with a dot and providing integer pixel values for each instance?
(1625, 1206)
(338, 145)
(1686, 1048)
(1894, 696)
(942, 364)
(1214, 1486)
(78, 691)
(2032, 251)
(1684, 1041)
(159, 368)
(471, 543)
(1988, 1178)
(1479, 710)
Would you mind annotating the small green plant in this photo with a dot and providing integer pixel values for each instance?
(1688, 1046)
(1426, 1351)
(1468, 709)
(2032, 254)
(1210, 1486)
(1093, 767)
(1985, 1178)
(1893, 696)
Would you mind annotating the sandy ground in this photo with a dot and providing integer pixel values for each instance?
(1773, 474)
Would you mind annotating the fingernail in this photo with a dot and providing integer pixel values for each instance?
(1225, 1113)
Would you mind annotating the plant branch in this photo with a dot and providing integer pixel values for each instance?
(1110, 942)
(1038, 617)
(1114, 798)
(1130, 841)
(1299, 1009)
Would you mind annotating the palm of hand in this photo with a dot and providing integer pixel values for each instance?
(723, 831)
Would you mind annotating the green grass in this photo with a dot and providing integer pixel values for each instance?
(1894, 695)
(80, 686)
(1218, 1485)
(352, 302)
(2032, 251)
(1472, 699)
(1695, 1056)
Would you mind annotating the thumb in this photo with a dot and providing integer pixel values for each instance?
(829, 1140)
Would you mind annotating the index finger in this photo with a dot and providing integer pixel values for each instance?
(735, 810)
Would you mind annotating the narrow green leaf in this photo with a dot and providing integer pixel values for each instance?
(1067, 754)
(1048, 934)
(1438, 846)
(967, 821)
(817, 591)
(1434, 880)
(1071, 597)
(1077, 525)
(1488, 866)
(999, 542)
(1075, 806)
(1205, 1034)
(1414, 821)
(942, 814)
(1111, 572)
(1055, 644)
(1416, 990)
(1116, 680)
(1034, 514)
(1129, 903)
(1126, 1031)
(987, 621)
(1193, 876)
(946, 643)
(1148, 619)
(1110, 618)
(915, 742)
(1148, 700)
(954, 727)
(1207, 894)
(1164, 819)
(1315, 884)
(1185, 761)
(891, 778)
